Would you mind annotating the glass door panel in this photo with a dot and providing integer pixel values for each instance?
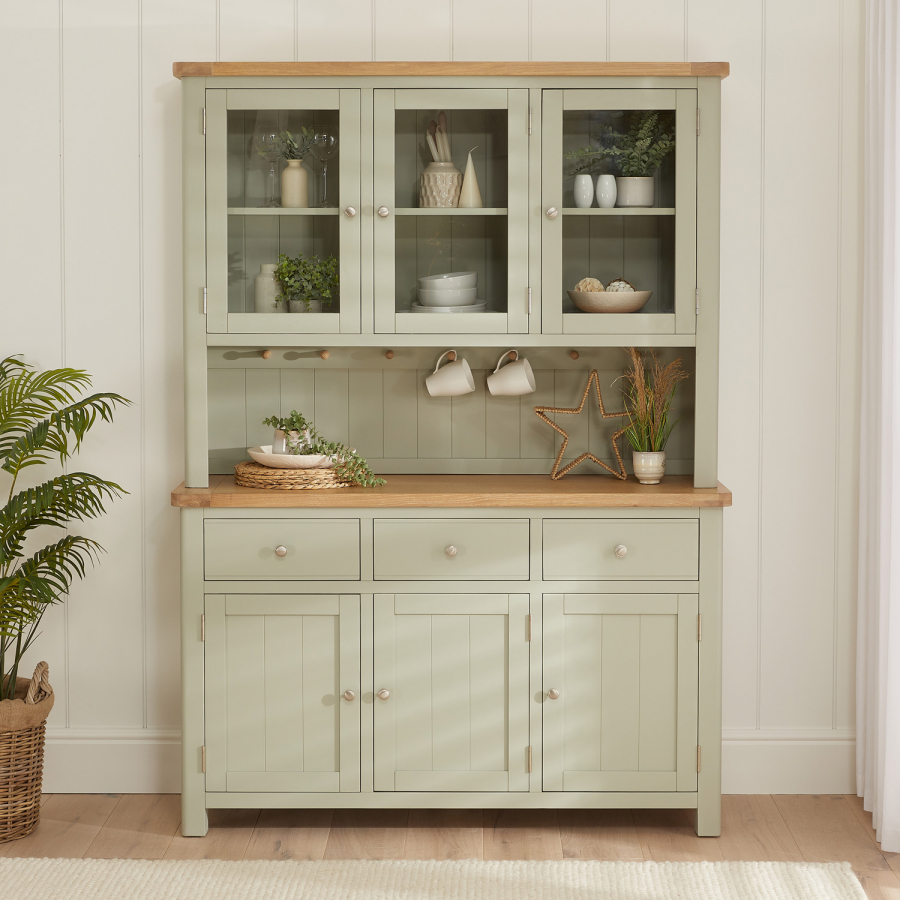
(651, 246)
(248, 226)
(421, 232)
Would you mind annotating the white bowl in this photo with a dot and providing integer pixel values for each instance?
(265, 457)
(609, 301)
(449, 281)
(475, 307)
(451, 297)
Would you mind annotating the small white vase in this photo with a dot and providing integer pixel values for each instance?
(649, 468)
(299, 306)
(584, 191)
(266, 287)
(439, 185)
(279, 442)
(294, 186)
(635, 191)
(606, 191)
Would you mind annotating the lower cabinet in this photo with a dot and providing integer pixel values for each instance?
(451, 692)
(276, 669)
(620, 692)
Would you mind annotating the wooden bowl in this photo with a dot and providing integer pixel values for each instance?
(609, 301)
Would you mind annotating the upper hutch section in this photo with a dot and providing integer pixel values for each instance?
(511, 173)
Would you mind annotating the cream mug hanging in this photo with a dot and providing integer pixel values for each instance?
(453, 379)
(514, 379)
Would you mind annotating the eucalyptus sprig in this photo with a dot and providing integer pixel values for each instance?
(638, 153)
(307, 279)
(347, 462)
(296, 146)
(649, 392)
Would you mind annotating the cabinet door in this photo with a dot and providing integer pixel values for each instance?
(245, 231)
(455, 667)
(413, 239)
(625, 669)
(654, 248)
(277, 666)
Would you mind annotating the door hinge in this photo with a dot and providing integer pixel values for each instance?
(203, 758)
(204, 120)
(696, 301)
(698, 121)
(529, 120)
(529, 757)
(698, 758)
(530, 623)
(699, 627)
(529, 301)
(203, 627)
(204, 301)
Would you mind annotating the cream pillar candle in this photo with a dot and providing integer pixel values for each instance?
(470, 195)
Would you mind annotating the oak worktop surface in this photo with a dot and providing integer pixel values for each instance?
(461, 491)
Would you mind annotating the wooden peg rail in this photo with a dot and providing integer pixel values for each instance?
(388, 354)
(452, 356)
(324, 354)
(266, 354)
(573, 354)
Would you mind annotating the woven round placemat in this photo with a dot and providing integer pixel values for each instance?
(252, 474)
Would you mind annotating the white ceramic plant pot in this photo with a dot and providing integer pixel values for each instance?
(294, 185)
(279, 441)
(584, 191)
(606, 191)
(649, 468)
(439, 185)
(299, 306)
(266, 288)
(634, 191)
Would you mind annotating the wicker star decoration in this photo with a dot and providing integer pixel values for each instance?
(541, 412)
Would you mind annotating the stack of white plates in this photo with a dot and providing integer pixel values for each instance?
(454, 292)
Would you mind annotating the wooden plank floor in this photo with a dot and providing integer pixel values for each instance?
(784, 827)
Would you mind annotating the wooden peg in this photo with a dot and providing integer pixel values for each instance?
(573, 354)
(324, 354)
(267, 354)
(513, 355)
(452, 356)
(388, 354)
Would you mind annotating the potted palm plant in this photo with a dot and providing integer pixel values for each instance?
(43, 416)
(649, 392)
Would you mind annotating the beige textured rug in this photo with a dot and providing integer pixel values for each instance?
(119, 879)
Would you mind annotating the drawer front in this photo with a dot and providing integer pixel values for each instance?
(665, 549)
(314, 549)
(423, 549)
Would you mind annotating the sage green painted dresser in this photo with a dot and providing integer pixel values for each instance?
(472, 633)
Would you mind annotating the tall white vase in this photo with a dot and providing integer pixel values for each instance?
(470, 193)
(295, 185)
(606, 191)
(584, 190)
(266, 287)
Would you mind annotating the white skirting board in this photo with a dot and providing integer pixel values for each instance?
(148, 761)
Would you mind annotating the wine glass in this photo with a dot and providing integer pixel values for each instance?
(266, 141)
(323, 148)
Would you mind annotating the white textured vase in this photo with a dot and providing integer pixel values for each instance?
(649, 468)
(299, 306)
(266, 287)
(295, 185)
(606, 191)
(584, 191)
(439, 186)
(635, 191)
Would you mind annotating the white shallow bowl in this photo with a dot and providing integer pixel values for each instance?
(609, 301)
(454, 297)
(449, 281)
(265, 457)
(475, 307)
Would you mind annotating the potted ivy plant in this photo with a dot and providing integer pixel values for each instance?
(43, 416)
(649, 391)
(637, 154)
(307, 285)
(294, 148)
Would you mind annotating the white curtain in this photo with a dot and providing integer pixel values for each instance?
(878, 640)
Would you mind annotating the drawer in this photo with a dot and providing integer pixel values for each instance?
(423, 549)
(315, 549)
(665, 549)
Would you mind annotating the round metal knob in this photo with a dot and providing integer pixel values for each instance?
(349, 212)
(553, 694)
(383, 211)
(552, 212)
(451, 550)
(383, 695)
(281, 550)
(621, 550)
(349, 695)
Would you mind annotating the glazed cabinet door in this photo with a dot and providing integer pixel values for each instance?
(600, 226)
(620, 692)
(259, 206)
(451, 692)
(424, 227)
(282, 692)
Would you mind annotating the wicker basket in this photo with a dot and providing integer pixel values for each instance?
(22, 755)
(252, 474)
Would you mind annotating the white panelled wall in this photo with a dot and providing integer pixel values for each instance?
(91, 256)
